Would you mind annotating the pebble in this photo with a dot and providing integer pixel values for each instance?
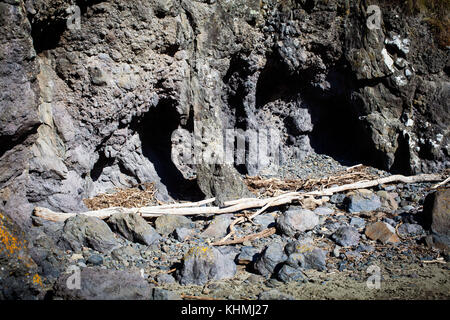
(95, 260)
(218, 227)
(383, 232)
(410, 230)
(181, 234)
(358, 223)
(165, 278)
(346, 236)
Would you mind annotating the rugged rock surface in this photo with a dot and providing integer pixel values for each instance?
(87, 231)
(19, 274)
(201, 264)
(109, 98)
(134, 228)
(99, 284)
(132, 92)
(437, 211)
(297, 220)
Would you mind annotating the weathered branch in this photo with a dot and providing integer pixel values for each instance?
(197, 208)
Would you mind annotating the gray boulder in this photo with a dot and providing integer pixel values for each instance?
(202, 264)
(288, 273)
(296, 220)
(271, 257)
(166, 224)
(314, 259)
(437, 217)
(181, 234)
(134, 228)
(99, 284)
(221, 181)
(363, 201)
(346, 236)
(218, 227)
(410, 230)
(83, 231)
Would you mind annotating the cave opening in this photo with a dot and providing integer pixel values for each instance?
(338, 133)
(337, 130)
(155, 130)
(46, 34)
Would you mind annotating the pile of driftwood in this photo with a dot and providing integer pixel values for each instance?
(269, 187)
(304, 198)
(142, 195)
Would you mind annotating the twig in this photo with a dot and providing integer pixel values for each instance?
(265, 233)
(443, 183)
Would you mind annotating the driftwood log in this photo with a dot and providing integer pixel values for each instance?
(199, 208)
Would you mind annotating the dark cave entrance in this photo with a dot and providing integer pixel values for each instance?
(155, 129)
(337, 130)
(339, 133)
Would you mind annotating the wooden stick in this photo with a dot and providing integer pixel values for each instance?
(443, 183)
(265, 233)
(236, 205)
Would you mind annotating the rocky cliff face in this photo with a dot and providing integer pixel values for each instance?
(91, 91)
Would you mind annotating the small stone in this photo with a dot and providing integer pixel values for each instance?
(76, 257)
(365, 248)
(95, 260)
(337, 198)
(270, 258)
(336, 251)
(387, 201)
(410, 230)
(181, 234)
(363, 201)
(288, 273)
(218, 227)
(297, 220)
(390, 221)
(265, 220)
(165, 278)
(346, 236)
(247, 255)
(323, 211)
(358, 223)
(382, 231)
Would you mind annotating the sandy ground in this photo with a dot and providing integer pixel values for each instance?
(397, 282)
